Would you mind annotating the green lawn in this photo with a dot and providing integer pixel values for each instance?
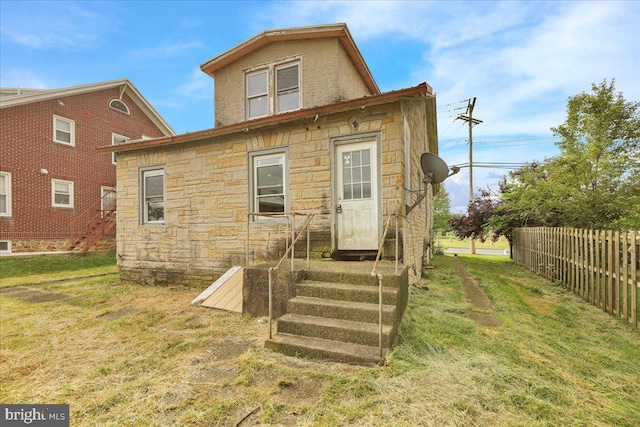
(124, 354)
(451, 241)
(26, 270)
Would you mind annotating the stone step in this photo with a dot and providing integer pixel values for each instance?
(346, 292)
(389, 280)
(317, 348)
(335, 329)
(346, 310)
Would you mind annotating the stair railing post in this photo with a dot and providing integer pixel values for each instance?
(271, 269)
(246, 261)
(308, 240)
(293, 238)
(397, 243)
(380, 314)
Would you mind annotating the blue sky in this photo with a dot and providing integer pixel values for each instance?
(521, 60)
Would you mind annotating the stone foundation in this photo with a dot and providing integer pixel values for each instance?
(56, 245)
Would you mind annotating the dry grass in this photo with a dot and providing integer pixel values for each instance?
(142, 356)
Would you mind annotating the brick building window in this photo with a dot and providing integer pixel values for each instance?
(115, 140)
(5, 246)
(61, 193)
(64, 131)
(153, 196)
(120, 106)
(5, 194)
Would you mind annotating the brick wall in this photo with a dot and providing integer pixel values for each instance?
(26, 147)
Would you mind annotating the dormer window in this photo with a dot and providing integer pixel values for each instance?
(120, 106)
(272, 89)
(257, 94)
(287, 88)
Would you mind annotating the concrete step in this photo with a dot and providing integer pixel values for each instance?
(317, 348)
(390, 280)
(335, 329)
(346, 310)
(346, 292)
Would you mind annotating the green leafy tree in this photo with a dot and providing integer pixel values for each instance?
(595, 180)
(441, 209)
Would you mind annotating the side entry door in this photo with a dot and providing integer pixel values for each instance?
(357, 196)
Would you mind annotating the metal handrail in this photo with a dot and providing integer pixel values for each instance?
(289, 249)
(379, 276)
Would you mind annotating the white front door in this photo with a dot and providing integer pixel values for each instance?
(357, 196)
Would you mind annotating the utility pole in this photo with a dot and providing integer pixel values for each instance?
(471, 121)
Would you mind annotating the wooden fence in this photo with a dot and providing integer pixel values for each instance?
(602, 266)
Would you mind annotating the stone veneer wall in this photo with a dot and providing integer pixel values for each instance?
(207, 193)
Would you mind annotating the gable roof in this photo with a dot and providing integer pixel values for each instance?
(339, 31)
(10, 97)
(310, 114)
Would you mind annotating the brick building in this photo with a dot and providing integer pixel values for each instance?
(50, 171)
(301, 127)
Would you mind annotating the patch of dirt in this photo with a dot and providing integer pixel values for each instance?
(115, 315)
(484, 316)
(301, 392)
(33, 295)
(229, 349)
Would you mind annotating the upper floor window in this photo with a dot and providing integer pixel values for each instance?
(64, 130)
(119, 105)
(287, 88)
(153, 196)
(61, 193)
(115, 140)
(272, 89)
(5, 194)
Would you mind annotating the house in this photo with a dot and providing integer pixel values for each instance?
(52, 180)
(301, 126)
(301, 130)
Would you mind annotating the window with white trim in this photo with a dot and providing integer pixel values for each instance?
(269, 186)
(64, 130)
(61, 193)
(272, 89)
(153, 196)
(287, 88)
(115, 140)
(5, 246)
(119, 106)
(257, 94)
(5, 194)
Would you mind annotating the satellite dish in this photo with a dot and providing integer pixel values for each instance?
(435, 169)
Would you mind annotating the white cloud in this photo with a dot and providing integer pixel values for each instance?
(54, 25)
(14, 77)
(166, 51)
(198, 85)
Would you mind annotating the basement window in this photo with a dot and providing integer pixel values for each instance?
(5, 246)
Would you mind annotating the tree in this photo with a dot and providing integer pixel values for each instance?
(595, 180)
(441, 209)
(474, 224)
